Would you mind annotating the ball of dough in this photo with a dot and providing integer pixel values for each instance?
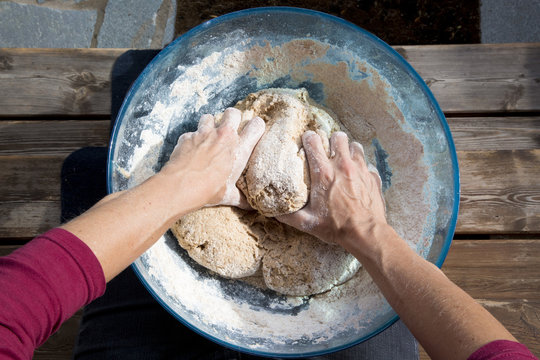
(223, 239)
(276, 178)
(299, 264)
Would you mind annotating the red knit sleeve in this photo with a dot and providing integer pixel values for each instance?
(503, 350)
(42, 284)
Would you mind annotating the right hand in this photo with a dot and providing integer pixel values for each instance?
(346, 196)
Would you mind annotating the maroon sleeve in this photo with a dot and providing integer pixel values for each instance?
(42, 284)
(503, 350)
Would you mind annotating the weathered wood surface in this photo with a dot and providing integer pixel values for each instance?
(504, 276)
(500, 191)
(31, 157)
(480, 78)
(51, 137)
(56, 81)
(464, 78)
(495, 133)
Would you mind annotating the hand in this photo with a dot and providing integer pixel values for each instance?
(346, 195)
(213, 158)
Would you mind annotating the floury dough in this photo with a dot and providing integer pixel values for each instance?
(236, 243)
(299, 264)
(276, 180)
(223, 239)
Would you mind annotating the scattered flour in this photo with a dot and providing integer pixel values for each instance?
(240, 312)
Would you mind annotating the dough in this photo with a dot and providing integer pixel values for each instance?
(223, 239)
(237, 243)
(276, 180)
(300, 264)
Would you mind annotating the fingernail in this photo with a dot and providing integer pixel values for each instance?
(258, 120)
(340, 133)
(309, 133)
(231, 109)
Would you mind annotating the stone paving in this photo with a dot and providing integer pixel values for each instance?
(87, 23)
(503, 21)
(150, 23)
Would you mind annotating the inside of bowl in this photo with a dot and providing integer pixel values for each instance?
(380, 101)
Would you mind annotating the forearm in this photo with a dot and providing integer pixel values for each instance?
(122, 226)
(446, 321)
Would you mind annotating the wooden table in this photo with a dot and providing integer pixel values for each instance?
(53, 102)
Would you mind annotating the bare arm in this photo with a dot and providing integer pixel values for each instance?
(446, 321)
(203, 170)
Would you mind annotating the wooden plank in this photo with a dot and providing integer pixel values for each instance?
(464, 78)
(56, 81)
(496, 269)
(500, 191)
(30, 178)
(503, 276)
(27, 219)
(480, 78)
(495, 133)
(51, 137)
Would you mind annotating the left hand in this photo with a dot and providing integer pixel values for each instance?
(211, 159)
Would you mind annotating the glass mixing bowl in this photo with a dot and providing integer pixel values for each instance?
(381, 101)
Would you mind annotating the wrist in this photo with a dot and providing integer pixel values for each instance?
(368, 241)
(176, 193)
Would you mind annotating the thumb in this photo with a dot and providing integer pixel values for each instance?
(301, 220)
(234, 197)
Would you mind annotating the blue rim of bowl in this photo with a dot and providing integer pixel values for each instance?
(276, 9)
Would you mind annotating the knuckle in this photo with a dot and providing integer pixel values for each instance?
(326, 176)
(346, 166)
(226, 131)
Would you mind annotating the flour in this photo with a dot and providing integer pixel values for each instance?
(239, 312)
(327, 314)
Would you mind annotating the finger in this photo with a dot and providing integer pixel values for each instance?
(234, 197)
(325, 141)
(206, 122)
(299, 220)
(316, 156)
(184, 137)
(250, 136)
(242, 202)
(339, 145)
(232, 118)
(375, 173)
(357, 151)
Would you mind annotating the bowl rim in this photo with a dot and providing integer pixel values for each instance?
(277, 9)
